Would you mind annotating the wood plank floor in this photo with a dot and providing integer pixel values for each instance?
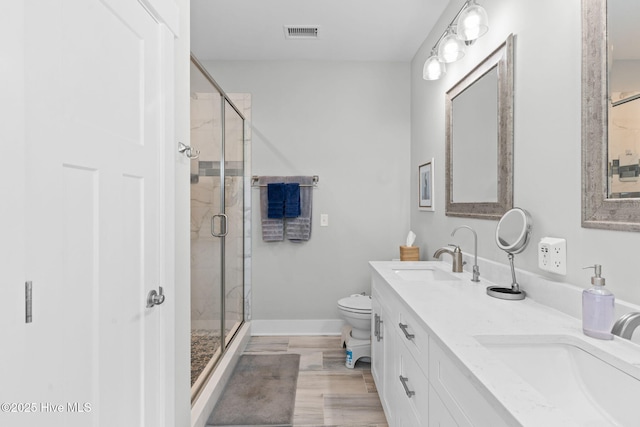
(328, 393)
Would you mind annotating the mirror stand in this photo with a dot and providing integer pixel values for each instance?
(512, 293)
(512, 236)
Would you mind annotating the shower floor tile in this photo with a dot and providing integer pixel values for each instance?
(328, 394)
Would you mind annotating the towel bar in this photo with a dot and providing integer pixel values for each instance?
(255, 178)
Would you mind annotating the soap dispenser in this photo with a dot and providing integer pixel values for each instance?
(597, 308)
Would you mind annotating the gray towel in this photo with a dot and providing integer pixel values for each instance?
(299, 229)
(272, 229)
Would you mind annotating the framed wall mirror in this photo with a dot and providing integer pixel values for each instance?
(479, 139)
(610, 115)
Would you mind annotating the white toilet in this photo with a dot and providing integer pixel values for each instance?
(356, 311)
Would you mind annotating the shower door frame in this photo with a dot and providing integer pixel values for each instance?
(225, 338)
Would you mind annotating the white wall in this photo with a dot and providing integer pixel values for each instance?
(547, 147)
(347, 122)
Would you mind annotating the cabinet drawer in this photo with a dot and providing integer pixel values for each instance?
(466, 404)
(381, 289)
(411, 387)
(414, 336)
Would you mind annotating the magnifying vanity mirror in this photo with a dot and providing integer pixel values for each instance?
(479, 139)
(611, 114)
(512, 236)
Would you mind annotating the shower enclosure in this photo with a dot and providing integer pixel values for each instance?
(217, 223)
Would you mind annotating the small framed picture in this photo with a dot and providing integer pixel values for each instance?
(425, 186)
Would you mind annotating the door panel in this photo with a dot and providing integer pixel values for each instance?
(206, 137)
(217, 224)
(97, 85)
(234, 209)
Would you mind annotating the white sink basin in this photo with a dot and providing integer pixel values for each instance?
(591, 386)
(423, 274)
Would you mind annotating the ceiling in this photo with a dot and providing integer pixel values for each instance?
(353, 30)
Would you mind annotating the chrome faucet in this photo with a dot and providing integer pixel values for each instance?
(476, 269)
(456, 266)
(625, 325)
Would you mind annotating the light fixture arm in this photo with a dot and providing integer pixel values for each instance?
(446, 30)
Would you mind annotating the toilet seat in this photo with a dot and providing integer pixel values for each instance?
(360, 304)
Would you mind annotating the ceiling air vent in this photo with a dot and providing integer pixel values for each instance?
(301, 32)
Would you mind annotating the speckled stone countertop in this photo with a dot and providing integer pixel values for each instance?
(459, 314)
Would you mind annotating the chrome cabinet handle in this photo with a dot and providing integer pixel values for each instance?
(377, 329)
(376, 324)
(404, 380)
(155, 298)
(223, 225)
(404, 329)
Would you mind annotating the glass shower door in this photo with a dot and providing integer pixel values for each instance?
(234, 209)
(206, 279)
(217, 224)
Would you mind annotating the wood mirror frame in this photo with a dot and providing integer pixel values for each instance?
(502, 58)
(598, 211)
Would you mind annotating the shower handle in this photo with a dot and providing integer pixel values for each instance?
(223, 225)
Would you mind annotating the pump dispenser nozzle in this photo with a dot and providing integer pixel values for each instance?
(597, 280)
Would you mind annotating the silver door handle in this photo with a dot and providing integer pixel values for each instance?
(155, 298)
(404, 380)
(223, 225)
(406, 334)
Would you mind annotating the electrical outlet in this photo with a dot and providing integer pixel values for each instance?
(552, 255)
(543, 255)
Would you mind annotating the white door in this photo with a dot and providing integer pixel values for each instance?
(98, 102)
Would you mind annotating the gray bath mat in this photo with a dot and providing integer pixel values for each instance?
(260, 392)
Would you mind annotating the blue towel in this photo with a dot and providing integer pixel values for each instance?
(299, 229)
(275, 197)
(292, 200)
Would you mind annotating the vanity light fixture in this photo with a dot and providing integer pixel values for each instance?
(470, 23)
(451, 47)
(473, 22)
(433, 68)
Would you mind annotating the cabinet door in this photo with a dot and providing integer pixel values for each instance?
(439, 416)
(388, 357)
(377, 344)
(382, 349)
(466, 404)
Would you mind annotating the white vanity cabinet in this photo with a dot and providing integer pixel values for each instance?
(398, 344)
(418, 383)
(383, 351)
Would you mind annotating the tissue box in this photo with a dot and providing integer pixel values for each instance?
(409, 253)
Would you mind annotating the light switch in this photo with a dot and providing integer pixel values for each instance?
(324, 220)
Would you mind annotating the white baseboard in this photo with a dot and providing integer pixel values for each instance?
(297, 327)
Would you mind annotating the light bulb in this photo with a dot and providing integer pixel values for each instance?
(451, 48)
(473, 22)
(433, 68)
